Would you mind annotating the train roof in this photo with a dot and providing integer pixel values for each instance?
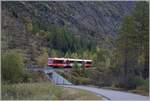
(70, 59)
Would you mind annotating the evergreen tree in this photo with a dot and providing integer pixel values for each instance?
(132, 42)
(124, 44)
(12, 66)
(141, 22)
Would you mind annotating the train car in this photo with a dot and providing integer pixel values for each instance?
(68, 62)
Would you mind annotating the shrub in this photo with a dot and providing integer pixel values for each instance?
(82, 80)
(34, 77)
(29, 27)
(101, 78)
(138, 81)
(43, 33)
(12, 66)
(131, 82)
(26, 77)
(144, 87)
(42, 59)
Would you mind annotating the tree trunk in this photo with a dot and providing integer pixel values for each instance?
(146, 67)
(125, 62)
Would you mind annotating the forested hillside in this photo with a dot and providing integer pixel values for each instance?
(35, 27)
(115, 35)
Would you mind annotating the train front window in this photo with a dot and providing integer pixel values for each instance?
(80, 62)
(67, 62)
(88, 62)
(58, 61)
(72, 61)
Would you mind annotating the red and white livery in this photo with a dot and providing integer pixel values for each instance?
(68, 62)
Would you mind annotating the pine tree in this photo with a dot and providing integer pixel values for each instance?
(124, 44)
(141, 22)
(132, 42)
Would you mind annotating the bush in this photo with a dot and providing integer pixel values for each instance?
(144, 87)
(131, 82)
(12, 66)
(29, 27)
(42, 59)
(137, 81)
(101, 78)
(34, 76)
(81, 80)
(43, 33)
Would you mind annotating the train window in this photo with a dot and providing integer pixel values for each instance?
(67, 62)
(58, 61)
(88, 62)
(80, 62)
(72, 61)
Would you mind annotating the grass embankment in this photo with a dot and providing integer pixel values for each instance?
(44, 91)
(139, 90)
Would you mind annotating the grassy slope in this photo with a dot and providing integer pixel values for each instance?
(44, 91)
(78, 94)
(138, 91)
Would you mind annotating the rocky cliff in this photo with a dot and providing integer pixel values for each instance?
(91, 20)
(95, 20)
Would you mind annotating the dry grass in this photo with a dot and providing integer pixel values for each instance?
(139, 90)
(44, 91)
(31, 91)
(78, 94)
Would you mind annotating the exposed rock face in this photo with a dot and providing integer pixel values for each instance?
(91, 20)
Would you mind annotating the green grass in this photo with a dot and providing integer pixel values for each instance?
(44, 91)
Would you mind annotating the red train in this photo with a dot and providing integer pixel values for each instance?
(68, 62)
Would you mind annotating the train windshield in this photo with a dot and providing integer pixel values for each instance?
(88, 62)
(58, 61)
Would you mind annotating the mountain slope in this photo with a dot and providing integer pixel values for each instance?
(96, 21)
(92, 20)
